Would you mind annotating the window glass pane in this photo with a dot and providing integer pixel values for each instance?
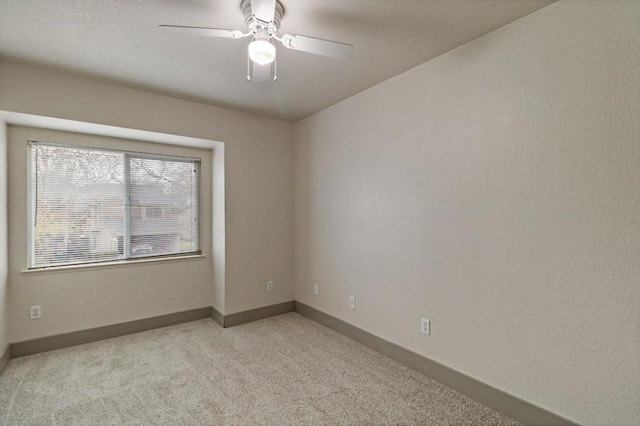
(79, 212)
(164, 207)
(76, 205)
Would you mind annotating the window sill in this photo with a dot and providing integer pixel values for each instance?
(114, 264)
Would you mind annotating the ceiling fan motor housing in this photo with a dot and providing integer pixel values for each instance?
(258, 27)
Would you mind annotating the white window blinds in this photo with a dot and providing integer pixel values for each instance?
(90, 205)
(163, 211)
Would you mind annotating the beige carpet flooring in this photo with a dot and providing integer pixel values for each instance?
(281, 370)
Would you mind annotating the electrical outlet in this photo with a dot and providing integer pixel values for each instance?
(316, 289)
(352, 302)
(425, 326)
(269, 285)
(36, 312)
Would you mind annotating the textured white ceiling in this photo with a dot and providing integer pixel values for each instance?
(118, 41)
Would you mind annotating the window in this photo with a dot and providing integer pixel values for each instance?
(94, 205)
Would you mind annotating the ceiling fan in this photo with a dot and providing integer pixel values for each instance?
(263, 21)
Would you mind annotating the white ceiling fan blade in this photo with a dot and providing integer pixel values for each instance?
(202, 31)
(317, 46)
(264, 10)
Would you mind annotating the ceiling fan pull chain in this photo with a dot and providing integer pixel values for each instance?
(248, 67)
(275, 69)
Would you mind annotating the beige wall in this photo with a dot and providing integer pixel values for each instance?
(496, 191)
(4, 266)
(258, 193)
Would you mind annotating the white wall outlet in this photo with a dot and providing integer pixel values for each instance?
(352, 302)
(36, 312)
(316, 289)
(425, 325)
(269, 285)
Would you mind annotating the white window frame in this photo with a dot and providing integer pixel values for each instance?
(126, 244)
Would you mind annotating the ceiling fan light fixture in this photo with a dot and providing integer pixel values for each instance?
(262, 51)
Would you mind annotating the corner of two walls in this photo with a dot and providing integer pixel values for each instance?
(4, 244)
(495, 191)
(218, 248)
